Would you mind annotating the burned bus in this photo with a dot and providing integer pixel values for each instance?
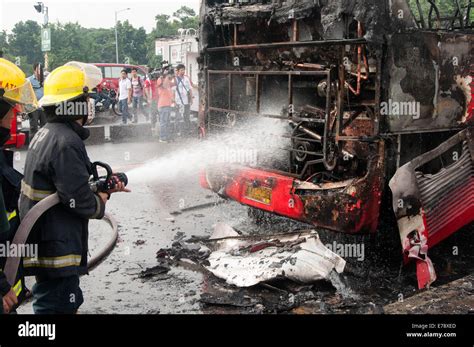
(378, 98)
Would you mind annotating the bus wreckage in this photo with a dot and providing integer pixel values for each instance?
(378, 99)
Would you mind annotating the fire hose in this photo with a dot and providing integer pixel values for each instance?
(98, 184)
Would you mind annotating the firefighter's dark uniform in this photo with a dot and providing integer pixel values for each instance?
(15, 92)
(57, 161)
(10, 219)
(4, 229)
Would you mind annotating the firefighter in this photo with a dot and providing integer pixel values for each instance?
(15, 92)
(57, 161)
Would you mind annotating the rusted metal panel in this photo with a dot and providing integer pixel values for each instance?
(429, 81)
(356, 207)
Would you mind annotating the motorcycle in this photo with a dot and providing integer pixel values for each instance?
(105, 100)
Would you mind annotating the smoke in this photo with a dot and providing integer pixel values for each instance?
(256, 143)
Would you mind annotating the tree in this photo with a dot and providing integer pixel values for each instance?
(447, 8)
(167, 26)
(132, 43)
(102, 45)
(187, 18)
(67, 43)
(164, 27)
(25, 43)
(3, 42)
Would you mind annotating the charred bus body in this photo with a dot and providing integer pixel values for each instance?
(378, 98)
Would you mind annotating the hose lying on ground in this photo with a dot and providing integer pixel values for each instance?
(104, 253)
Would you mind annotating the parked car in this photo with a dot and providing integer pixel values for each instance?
(111, 73)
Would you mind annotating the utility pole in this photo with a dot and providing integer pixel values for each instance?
(41, 8)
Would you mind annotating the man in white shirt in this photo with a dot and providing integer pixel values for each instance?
(124, 95)
(183, 98)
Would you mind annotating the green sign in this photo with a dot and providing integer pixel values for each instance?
(46, 39)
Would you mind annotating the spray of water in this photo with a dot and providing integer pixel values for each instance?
(255, 143)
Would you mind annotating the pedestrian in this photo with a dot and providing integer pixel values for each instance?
(166, 102)
(124, 95)
(137, 94)
(37, 118)
(151, 93)
(57, 162)
(16, 91)
(184, 98)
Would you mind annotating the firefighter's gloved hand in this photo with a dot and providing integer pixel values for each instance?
(9, 301)
(119, 187)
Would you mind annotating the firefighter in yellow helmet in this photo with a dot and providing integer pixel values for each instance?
(57, 162)
(17, 93)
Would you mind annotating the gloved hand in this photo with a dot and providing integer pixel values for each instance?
(119, 186)
(9, 301)
(9, 296)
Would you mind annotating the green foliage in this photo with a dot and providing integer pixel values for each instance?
(24, 43)
(447, 8)
(132, 44)
(187, 18)
(71, 41)
(3, 42)
(166, 26)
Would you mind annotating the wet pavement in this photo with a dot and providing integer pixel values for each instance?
(147, 223)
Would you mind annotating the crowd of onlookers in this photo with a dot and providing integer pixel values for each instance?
(157, 97)
(169, 92)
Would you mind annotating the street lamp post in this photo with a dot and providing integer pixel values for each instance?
(41, 8)
(116, 33)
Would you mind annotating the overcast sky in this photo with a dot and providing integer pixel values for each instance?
(91, 14)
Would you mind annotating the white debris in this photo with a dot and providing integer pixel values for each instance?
(245, 261)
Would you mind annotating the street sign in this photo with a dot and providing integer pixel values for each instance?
(46, 39)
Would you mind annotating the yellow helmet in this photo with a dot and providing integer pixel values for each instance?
(66, 83)
(15, 88)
